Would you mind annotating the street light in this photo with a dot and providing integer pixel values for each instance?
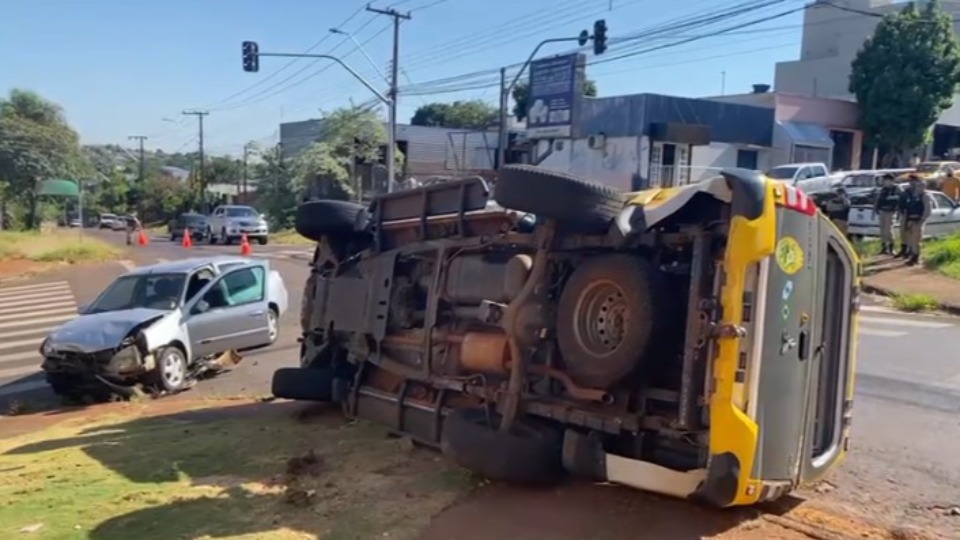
(362, 51)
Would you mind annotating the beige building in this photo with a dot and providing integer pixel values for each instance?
(831, 38)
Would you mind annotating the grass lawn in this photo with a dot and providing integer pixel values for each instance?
(252, 470)
(943, 255)
(63, 245)
(290, 237)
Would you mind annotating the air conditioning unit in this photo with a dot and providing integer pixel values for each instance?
(597, 142)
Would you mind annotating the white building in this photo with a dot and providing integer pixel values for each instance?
(832, 36)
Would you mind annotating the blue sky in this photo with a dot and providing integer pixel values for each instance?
(130, 67)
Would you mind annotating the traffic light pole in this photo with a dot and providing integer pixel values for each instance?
(391, 132)
(505, 95)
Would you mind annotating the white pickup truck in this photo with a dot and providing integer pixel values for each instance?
(808, 177)
(230, 222)
(944, 219)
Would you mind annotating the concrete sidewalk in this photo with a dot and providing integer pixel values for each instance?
(891, 277)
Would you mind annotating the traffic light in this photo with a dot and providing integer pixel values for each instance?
(251, 56)
(599, 36)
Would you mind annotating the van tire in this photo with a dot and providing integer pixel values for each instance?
(303, 384)
(530, 454)
(578, 205)
(607, 317)
(316, 219)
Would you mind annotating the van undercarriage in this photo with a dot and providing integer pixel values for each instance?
(572, 338)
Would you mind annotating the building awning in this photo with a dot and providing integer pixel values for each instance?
(807, 134)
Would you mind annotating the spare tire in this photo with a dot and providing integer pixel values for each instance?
(316, 219)
(609, 312)
(577, 204)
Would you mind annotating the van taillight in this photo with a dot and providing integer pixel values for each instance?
(798, 201)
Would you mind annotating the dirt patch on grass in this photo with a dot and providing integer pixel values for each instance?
(14, 269)
(196, 469)
(171, 470)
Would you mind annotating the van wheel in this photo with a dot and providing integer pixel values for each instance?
(303, 384)
(530, 454)
(606, 318)
(316, 219)
(578, 205)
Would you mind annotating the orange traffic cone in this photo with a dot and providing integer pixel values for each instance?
(245, 248)
(187, 242)
(142, 238)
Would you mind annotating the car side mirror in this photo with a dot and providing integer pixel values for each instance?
(82, 308)
(200, 307)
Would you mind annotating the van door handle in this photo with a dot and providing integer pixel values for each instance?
(804, 346)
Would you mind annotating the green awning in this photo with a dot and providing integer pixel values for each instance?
(59, 187)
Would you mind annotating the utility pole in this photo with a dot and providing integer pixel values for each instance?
(246, 155)
(139, 138)
(394, 70)
(202, 179)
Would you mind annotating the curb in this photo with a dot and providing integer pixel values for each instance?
(952, 309)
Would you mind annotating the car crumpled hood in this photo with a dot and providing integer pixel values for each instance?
(100, 331)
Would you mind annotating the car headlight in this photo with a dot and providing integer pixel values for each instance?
(46, 348)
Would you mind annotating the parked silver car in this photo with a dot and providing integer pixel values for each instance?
(156, 324)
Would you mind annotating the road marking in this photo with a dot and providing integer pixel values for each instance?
(38, 293)
(33, 306)
(904, 322)
(34, 298)
(20, 388)
(162, 260)
(878, 309)
(21, 343)
(20, 371)
(880, 333)
(29, 332)
(41, 320)
(128, 265)
(24, 288)
(63, 310)
(14, 357)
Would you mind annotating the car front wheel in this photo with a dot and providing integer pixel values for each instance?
(170, 375)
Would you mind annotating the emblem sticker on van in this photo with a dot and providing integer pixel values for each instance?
(787, 290)
(789, 255)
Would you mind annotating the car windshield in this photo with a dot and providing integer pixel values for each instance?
(242, 212)
(928, 167)
(860, 180)
(782, 173)
(107, 216)
(153, 291)
(194, 220)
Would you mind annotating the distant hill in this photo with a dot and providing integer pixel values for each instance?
(110, 158)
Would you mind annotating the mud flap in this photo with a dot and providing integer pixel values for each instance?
(720, 487)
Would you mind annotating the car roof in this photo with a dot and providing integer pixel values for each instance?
(184, 266)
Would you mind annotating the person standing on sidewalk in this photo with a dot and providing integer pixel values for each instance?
(951, 186)
(917, 206)
(837, 208)
(886, 206)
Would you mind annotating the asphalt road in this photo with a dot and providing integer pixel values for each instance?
(906, 430)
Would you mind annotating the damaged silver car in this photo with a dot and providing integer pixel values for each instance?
(161, 325)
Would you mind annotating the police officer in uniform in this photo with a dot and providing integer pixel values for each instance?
(886, 206)
(916, 207)
(837, 208)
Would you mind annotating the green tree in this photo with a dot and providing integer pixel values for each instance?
(277, 189)
(471, 114)
(36, 143)
(351, 136)
(905, 76)
(521, 94)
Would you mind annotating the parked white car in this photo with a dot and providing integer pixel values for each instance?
(228, 223)
(944, 219)
(808, 177)
(155, 325)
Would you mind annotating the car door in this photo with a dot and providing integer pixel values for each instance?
(944, 219)
(230, 313)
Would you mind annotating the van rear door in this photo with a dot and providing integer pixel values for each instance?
(831, 358)
(779, 378)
